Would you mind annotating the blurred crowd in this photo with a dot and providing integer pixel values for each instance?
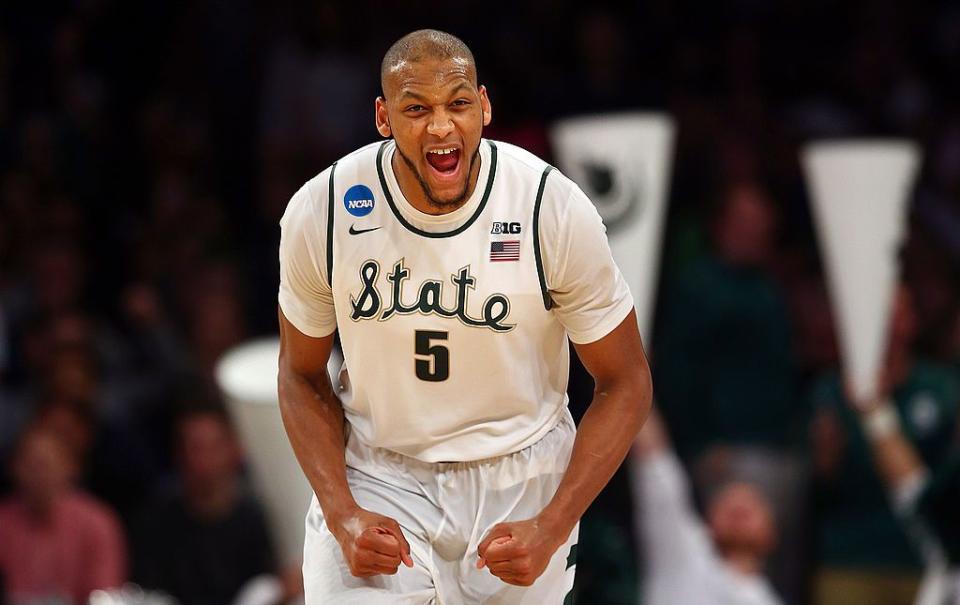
(147, 151)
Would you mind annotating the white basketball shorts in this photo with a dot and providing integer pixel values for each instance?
(444, 509)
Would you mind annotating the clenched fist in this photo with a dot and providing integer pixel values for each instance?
(372, 544)
(518, 552)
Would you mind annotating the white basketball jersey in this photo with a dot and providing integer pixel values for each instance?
(454, 327)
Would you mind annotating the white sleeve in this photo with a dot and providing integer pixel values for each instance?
(589, 292)
(671, 533)
(305, 296)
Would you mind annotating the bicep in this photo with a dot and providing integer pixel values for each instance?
(300, 354)
(618, 355)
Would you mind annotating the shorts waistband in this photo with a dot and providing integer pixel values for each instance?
(364, 451)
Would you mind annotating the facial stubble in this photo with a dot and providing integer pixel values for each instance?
(431, 199)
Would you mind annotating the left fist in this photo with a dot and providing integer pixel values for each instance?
(518, 552)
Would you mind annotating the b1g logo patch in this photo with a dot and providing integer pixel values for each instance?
(358, 200)
(500, 228)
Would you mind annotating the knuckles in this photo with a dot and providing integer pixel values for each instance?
(357, 568)
(364, 572)
(361, 568)
(357, 572)
(519, 572)
(520, 580)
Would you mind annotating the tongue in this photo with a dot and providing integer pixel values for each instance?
(446, 162)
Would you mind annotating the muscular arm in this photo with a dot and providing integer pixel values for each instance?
(313, 418)
(621, 402)
(518, 552)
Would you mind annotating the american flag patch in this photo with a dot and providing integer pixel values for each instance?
(505, 251)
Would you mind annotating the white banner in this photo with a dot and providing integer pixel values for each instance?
(860, 190)
(623, 163)
(247, 376)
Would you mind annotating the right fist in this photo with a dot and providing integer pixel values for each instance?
(373, 544)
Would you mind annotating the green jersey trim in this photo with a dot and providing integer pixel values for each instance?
(547, 300)
(330, 227)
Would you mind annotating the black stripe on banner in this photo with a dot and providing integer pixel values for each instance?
(547, 301)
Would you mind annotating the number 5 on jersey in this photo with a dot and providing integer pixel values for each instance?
(432, 360)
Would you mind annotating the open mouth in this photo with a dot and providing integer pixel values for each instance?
(446, 161)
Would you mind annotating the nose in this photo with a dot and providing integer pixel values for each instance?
(440, 124)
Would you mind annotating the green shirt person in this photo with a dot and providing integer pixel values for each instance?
(867, 454)
(725, 365)
(857, 526)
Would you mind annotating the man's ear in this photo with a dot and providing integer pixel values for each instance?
(485, 106)
(380, 115)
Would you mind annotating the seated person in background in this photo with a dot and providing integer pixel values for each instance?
(57, 544)
(864, 552)
(111, 464)
(203, 540)
(689, 562)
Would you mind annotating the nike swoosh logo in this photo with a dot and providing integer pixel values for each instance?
(355, 231)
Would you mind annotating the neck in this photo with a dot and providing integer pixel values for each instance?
(40, 510)
(212, 499)
(745, 562)
(414, 190)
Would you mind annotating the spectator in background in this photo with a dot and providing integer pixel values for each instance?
(688, 563)
(57, 544)
(300, 120)
(726, 371)
(111, 464)
(926, 502)
(215, 315)
(92, 400)
(58, 276)
(724, 362)
(865, 554)
(202, 541)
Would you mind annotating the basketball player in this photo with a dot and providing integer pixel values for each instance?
(454, 268)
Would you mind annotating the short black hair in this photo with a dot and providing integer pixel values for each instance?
(424, 44)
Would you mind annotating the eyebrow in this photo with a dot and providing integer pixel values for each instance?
(407, 93)
(412, 95)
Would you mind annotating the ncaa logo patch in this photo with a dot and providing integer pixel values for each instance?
(358, 200)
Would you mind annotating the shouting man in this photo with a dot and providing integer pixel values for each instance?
(455, 268)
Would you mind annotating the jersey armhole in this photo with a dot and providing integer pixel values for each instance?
(537, 253)
(333, 169)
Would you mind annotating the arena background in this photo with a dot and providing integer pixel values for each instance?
(148, 149)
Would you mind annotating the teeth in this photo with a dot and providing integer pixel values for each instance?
(443, 151)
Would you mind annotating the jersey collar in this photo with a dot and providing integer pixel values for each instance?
(388, 182)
